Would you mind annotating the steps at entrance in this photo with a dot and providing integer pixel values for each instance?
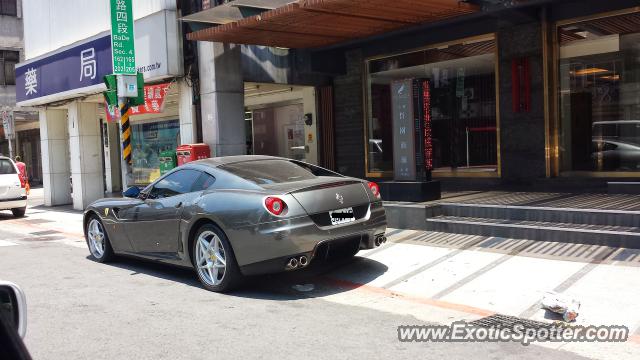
(616, 236)
(585, 226)
(545, 214)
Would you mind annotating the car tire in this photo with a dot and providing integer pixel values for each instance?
(101, 254)
(19, 212)
(232, 277)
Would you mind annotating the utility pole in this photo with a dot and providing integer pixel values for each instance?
(125, 87)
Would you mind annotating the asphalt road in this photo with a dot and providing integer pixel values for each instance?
(80, 309)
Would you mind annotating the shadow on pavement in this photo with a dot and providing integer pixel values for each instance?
(316, 280)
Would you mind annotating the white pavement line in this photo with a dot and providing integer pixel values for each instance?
(575, 277)
(431, 264)
(485, 269)
(7, 243)
(513, 285)
(608, 296)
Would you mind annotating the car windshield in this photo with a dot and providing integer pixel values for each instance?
(263, 172)
(6, 167)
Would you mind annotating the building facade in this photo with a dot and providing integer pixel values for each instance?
(25, 141)
(542, 93)
(66, 57)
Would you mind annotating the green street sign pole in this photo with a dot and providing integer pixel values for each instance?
(122, 38)
(124, 66)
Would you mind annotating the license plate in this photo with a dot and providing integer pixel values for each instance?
(341, 216)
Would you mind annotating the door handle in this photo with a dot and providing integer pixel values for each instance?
(178, 205)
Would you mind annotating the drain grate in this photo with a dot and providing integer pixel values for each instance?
(499, 321)
(45, 232)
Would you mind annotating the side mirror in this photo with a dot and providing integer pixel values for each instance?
(132, 192)
(13, 306)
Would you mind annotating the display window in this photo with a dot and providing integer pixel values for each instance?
(148, 140)
(464, 121)
(599, 94)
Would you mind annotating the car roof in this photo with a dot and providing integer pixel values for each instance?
(5, 157)
(224, 160)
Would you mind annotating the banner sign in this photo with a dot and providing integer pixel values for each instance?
(112, 112)
(154, 96)
(122, 39)
(7, 124)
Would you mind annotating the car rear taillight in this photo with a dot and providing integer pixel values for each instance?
(375, 189)
(23, 182)
(275, 205)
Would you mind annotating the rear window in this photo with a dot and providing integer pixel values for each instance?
(6, 167)
(263, 172)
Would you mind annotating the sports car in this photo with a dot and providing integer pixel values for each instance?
(230, 217)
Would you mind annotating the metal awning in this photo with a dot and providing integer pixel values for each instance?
(234, 11)
(317, 23)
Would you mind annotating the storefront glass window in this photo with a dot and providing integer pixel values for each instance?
(599, 72)
(463, 105)
(147, 141)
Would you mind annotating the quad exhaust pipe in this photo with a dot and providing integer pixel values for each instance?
(303, 261)
(380, 240)
(297, 262)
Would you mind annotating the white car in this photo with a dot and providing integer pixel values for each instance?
(13, 193)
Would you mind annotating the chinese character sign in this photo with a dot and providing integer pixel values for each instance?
(88, 63)
(122, 39)
(154, 96)
(31, 81)
(404, 161)
(78, 67)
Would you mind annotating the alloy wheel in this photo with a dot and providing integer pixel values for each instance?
(211, 259)
(96, 235)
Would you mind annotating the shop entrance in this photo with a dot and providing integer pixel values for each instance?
(281, 121)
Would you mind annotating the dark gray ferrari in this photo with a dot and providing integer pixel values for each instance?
(234, 216)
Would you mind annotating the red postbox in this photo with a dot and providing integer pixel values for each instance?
(192, 152)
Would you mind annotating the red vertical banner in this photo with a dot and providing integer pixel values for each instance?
(521, 85)
(426, 111)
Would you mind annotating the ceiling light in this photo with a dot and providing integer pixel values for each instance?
(588, 71)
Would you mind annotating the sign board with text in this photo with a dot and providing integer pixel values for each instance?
(154, 96)
(404, 161)
(7, 124)
(122, 38)
(412, 138)
(78, 70)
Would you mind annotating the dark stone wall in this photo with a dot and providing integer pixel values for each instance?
(522, 134)
(349, 117)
